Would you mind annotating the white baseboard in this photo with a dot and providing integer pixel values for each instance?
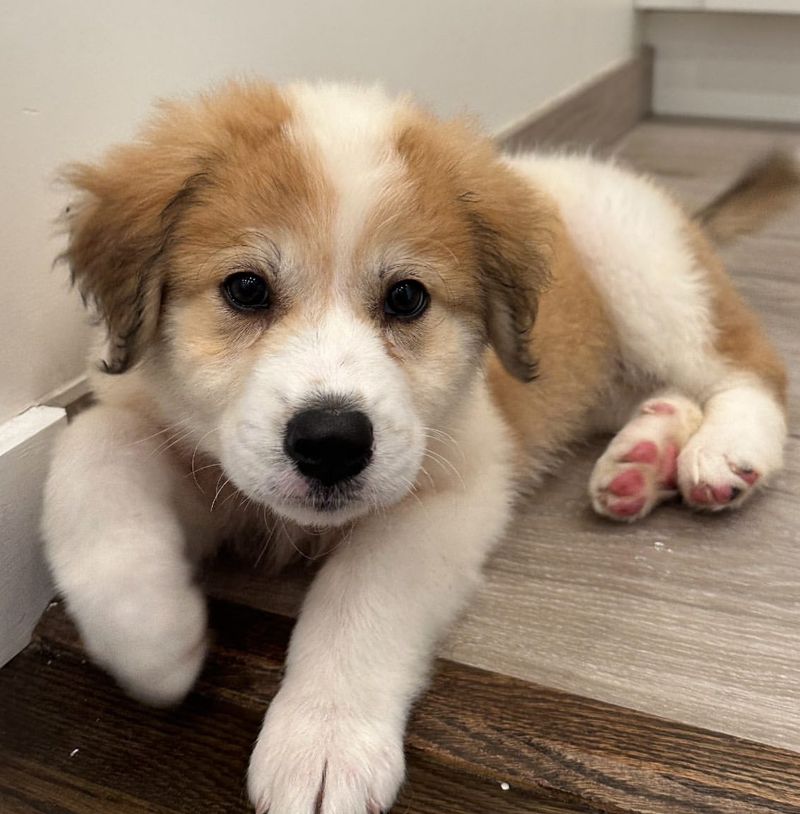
(25, 588)
(67, 393)
(730, 66)
(745, 6)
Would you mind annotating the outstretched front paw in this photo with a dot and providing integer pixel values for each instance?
(317, 756)
(151, 638)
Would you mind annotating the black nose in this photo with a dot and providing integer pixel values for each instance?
(329, 445)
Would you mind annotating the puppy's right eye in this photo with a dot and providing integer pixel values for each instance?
(406, 300)
(246, 291)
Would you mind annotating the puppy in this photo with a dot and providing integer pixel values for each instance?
(337, 324)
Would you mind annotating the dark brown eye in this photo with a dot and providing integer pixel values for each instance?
(406, 299)
(246, 291)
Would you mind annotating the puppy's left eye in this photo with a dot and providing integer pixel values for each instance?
(246, 291)
(406, 299)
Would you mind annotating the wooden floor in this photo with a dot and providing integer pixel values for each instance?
(602, 668)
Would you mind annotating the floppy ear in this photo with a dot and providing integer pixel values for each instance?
(511, 231)
(130, 207)
(120, 226)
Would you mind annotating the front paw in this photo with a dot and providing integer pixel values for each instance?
(314, 755)
(152, 641)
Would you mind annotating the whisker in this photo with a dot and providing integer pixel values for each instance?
(202, 468)
(171, 442)
(428, 476)
(169, 428)
(266, 542)
(231, 495)
(344, 539)
(434, 434)
(219, 490)
(445, 464)
(293, 544)
(194, 455)
(411, 489)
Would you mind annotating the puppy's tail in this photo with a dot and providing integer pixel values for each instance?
(764, 190)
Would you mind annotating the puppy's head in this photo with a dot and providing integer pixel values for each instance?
(310, 278)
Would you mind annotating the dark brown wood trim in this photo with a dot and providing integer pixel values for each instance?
(595, 116)
(471, 731)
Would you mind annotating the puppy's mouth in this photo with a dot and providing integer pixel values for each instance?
(331, 499)
(319, 505)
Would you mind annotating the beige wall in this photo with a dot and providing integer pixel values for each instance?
(77, 75)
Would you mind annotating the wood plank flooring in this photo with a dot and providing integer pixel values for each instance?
(69, 742)
(602, 668)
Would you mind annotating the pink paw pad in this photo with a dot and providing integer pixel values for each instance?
(707, 495)
(645, 452)
(659, 408)
(627, 484)
(627, 508)
(710, 496)
(639, 468)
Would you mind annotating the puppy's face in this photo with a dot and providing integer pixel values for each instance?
(311, 276)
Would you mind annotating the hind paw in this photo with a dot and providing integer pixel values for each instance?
(712, 480)
(639, 469)
(626, 485)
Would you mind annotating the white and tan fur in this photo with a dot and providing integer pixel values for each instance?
(331, 192)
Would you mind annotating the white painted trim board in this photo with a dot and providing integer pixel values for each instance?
(730, 66)
(25, 588)
(745, 6)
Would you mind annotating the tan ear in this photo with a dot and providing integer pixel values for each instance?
(120, 226)
(130, 207)
(512, 232)
(510, 226)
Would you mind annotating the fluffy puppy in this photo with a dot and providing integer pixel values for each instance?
(336, 323)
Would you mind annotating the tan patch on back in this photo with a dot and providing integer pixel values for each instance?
(740, 340)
